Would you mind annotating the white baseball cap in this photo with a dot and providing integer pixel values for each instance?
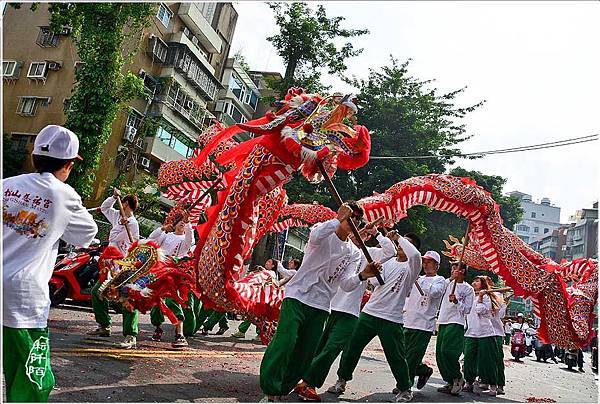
(432, 255)
(57, 142)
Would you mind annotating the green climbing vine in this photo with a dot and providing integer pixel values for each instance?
(100, 31)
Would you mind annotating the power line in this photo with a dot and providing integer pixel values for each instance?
(539, 146)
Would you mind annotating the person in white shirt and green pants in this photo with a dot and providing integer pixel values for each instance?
(419, 317)
(39, 209)
(382, 317)
(345, 309)
(119, 238)
(330, 261)
(456, 304)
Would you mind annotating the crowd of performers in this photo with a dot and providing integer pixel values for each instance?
(324, 312)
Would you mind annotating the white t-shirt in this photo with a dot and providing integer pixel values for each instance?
(507, 328)
(455, 313)
(176, 245)
(284, 272)
(387, 300)
(38, 210)
(519, 326)
(479, 320)
(349, 302)
(420, 311)
(328, 264)
(118, 235)
(497, 317)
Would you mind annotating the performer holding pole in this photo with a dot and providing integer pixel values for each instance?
(462, 254)
(125, 230)
(39, 209)
(456, 304)
(330, 262)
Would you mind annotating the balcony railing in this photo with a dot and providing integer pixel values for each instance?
(193, 18)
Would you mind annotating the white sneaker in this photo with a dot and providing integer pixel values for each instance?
(267, 399)
(457, 386)
(338, 388)
(404, 396)
(492, 392)
(129, 343)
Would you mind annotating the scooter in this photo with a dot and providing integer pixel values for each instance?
(75, 274)
(517, 345)
(571, 358)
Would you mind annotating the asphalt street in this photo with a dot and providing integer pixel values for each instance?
(223, 369)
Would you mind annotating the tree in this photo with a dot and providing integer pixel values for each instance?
(12, 160)
(100, 30)
(306, 42)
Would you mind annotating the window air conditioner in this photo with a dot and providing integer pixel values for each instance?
(130, 133)
(54, 65)
(142, 73)
(186, 31)
(195, 41)
(145, 162)
(189, 104)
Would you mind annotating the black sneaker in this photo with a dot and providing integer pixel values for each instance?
(157, 334)
(179, 342)
(221, 331)
(423, 379)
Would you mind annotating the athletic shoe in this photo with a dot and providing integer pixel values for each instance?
(445, 389)
(238, 335)
(222, 331)
(404, 396)
(457, 386)
(257, 338)
(157, 334)
(307, 393)
(338, 388)
(396, 390)
(493, 391)
(203, 331)
(500, 391)
(179, 342)
(100, 332)
(129, 343)
(267, 399)
(468, 387)
(581, 370)
(422, 381)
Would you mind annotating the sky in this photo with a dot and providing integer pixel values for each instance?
(536, 64)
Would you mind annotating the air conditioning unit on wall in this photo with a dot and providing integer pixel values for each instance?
(54, 65)
(145, 162)
(130, 133)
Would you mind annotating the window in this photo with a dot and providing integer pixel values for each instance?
(27, 106)
(164, 14)
(533, 215)
(37, 70)
(177, 142)
(8, 68)
(536, 229)
(78, 67)
(208, 10)
(522, 227)
(20, 141)
(546, 230)
(67, 106)
(46, 38)
(157, 48)
(150, 83)
(134, 119)
(253, 100)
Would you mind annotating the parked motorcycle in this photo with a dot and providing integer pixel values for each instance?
(571, 357)
(75, 274)
(543, 352)
(517, 345)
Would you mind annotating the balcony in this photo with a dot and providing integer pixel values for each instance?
(156, 148)
(180, 37)
(193, 18)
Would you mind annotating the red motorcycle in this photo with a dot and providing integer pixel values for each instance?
(517, 345)
(75, 274)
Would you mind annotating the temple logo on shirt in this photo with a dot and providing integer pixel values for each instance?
(396, 287)
(339, 269)
(25, 223)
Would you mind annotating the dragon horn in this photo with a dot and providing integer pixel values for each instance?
(453, 239)
(448, 246)
(447, 254)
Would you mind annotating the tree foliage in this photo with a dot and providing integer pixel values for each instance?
(307, 44)
(100, 30)
(12, 160)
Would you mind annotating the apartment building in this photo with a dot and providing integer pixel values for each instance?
(582, 236)
(239, 97)
(539, 218)
(182, 60)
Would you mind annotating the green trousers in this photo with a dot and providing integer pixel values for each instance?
(190, 315)
(390, 335)
(335, 337)
(416, 342)
(481, 359)
(448, 348)
(214, 318)
(26, 364)
(157, 317)
(292, 348)
(507, 339)
(245, 325)
(100, 308)
(500, 361)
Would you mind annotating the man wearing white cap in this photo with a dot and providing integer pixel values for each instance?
(39, 210)
(419, 317)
